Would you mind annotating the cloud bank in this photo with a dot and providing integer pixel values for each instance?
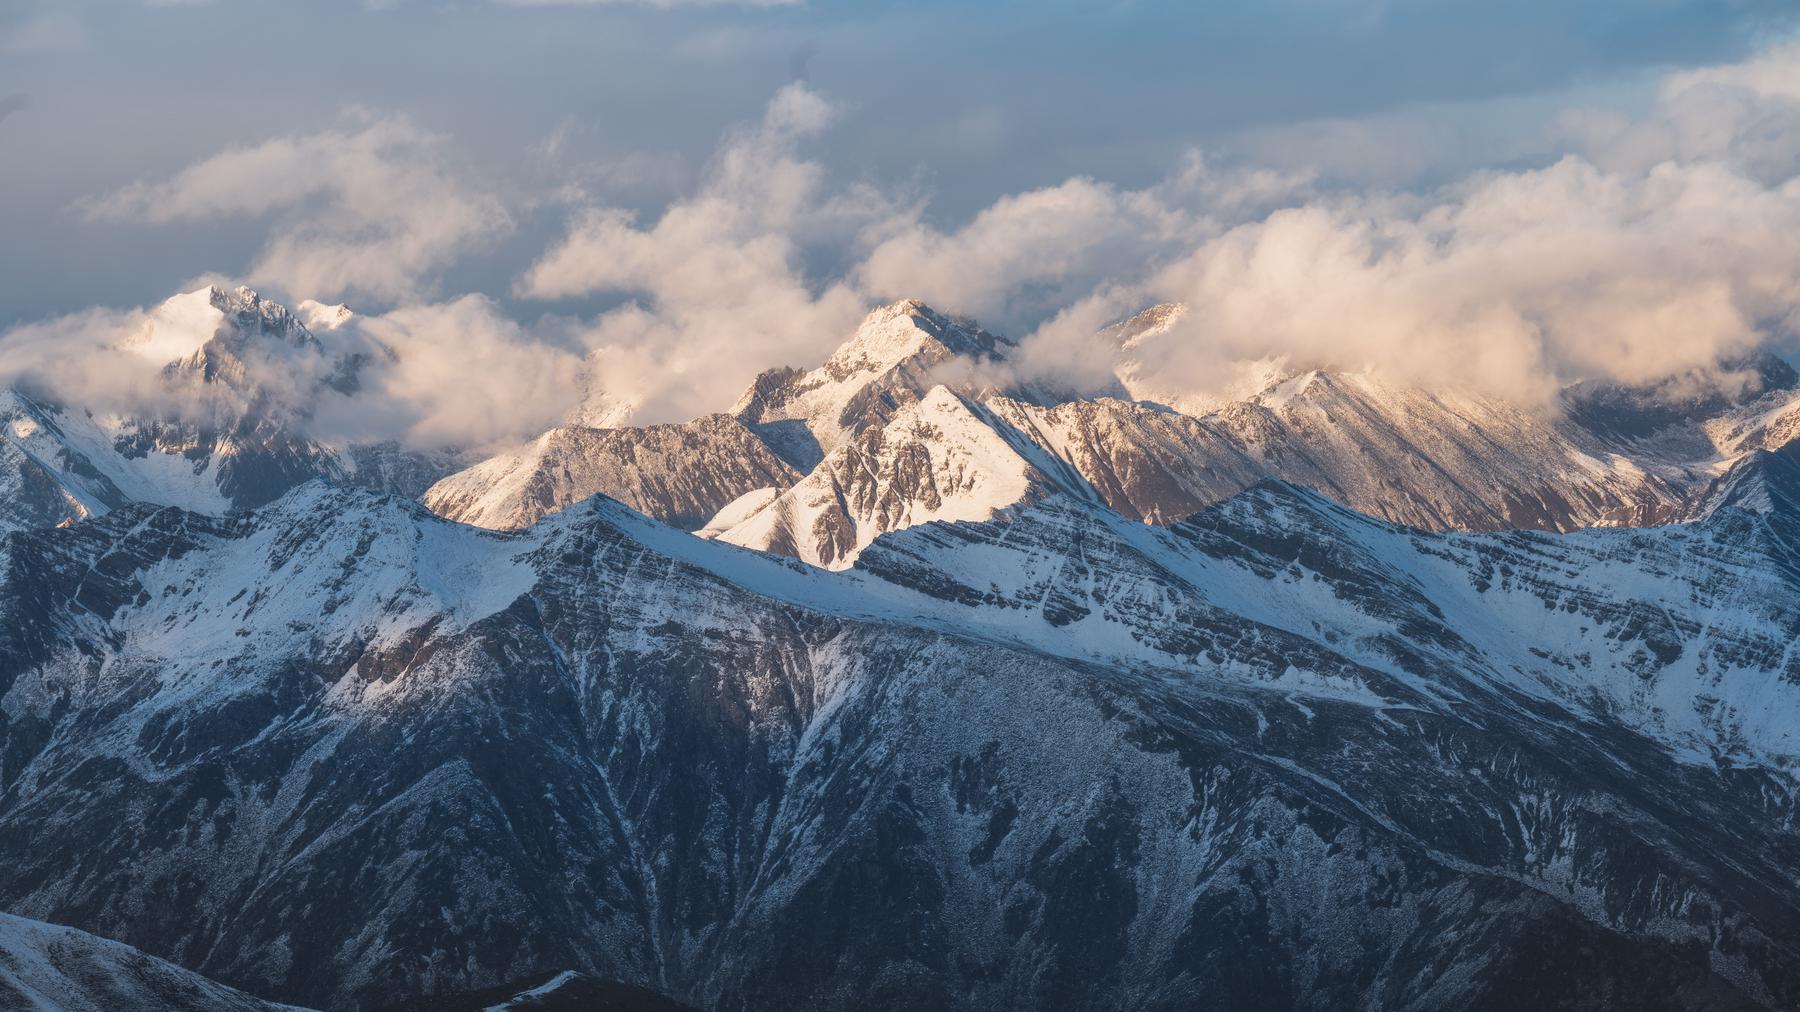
(1640, 249)
(715, 287)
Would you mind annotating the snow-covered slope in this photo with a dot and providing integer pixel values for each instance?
(1441, 459)
(687, 473)
(1430, 460)
(46, 968)
(1435, 459)
(682, 474)
(939, 458)
(345, 751)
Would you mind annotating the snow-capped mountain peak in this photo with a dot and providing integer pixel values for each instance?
(904, 330)
(180, 329)
(940, 458)
(1153, 322)
(890, 360)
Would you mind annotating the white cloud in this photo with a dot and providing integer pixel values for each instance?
(719, 290)
(1658, 246)
(1031, 254)
(456, 373)
(372, 211)
(1664, 246)
(1747, 114)
(1512, 282)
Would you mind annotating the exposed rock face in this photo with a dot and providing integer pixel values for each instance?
(1398, 453)
(1607, 456)
(43, 966)
(940, 458)
(1437, 461)
(681, 474)
(343, 752)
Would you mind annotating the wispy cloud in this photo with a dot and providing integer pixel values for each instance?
(369, 212)
(716, 280)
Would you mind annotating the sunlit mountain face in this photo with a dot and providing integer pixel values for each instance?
(801, 506)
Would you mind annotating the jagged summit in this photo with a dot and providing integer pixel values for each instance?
(939, 458)
(891, 334)
(1434, 459)
(321, 317)
(223, 423)
(891, 360)
(192, 329)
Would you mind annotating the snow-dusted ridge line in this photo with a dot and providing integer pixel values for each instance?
(1043, 739)
(996, 585)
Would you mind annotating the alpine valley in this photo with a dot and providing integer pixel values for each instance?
(900, 684)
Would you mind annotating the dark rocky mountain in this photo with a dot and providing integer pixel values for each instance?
(1280, 755)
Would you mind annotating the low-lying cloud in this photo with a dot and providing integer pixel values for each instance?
(1514, 283)
(1644, 248)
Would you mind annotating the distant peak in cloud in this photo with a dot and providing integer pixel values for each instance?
(374, 210)
(1644, 248)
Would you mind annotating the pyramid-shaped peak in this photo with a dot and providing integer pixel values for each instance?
(899, 331)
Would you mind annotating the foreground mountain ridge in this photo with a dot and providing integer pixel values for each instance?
(1268, 755)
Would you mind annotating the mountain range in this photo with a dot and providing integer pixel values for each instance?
(967, 693)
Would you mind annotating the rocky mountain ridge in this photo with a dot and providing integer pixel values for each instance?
(1609, 456)
(1277, 753)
